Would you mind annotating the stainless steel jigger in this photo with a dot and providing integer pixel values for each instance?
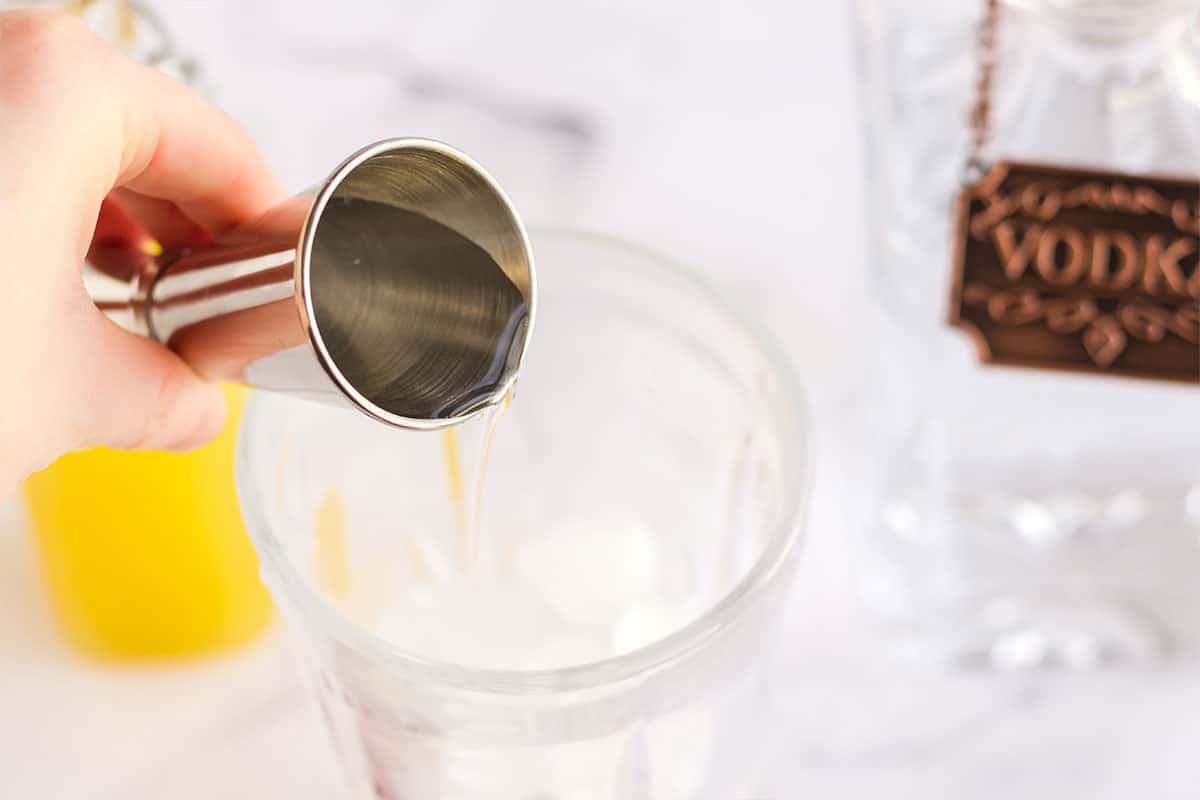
(403, 286)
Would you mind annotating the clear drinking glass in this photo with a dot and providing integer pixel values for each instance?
(644, 404)
(1019, 517)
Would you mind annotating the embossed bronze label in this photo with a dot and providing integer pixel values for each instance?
(1078, 270)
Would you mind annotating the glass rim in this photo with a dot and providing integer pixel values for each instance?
(797, 461)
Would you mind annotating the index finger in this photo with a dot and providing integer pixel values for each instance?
(180, 148)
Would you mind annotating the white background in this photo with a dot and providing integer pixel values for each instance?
(724, 134)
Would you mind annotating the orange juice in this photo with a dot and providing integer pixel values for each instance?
(145, 553)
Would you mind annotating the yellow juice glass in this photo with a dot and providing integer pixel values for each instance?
(145, 553)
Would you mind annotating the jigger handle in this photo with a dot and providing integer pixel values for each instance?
(228, 308)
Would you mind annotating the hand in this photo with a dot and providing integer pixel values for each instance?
(95, 148)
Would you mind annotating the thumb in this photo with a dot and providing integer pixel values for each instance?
(138, 395)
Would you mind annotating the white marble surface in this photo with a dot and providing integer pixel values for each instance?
(723, 133)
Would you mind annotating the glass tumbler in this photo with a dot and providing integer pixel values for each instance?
(645, 403)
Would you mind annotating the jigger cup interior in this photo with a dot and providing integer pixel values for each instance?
(415, 282)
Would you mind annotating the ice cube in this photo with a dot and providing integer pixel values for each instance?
(589, 572)
(482, 624)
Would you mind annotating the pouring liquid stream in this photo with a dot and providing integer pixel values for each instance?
(466, 499)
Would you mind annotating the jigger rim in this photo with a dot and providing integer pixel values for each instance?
(304, 299)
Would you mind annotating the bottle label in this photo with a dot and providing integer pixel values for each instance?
(1078, 270)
